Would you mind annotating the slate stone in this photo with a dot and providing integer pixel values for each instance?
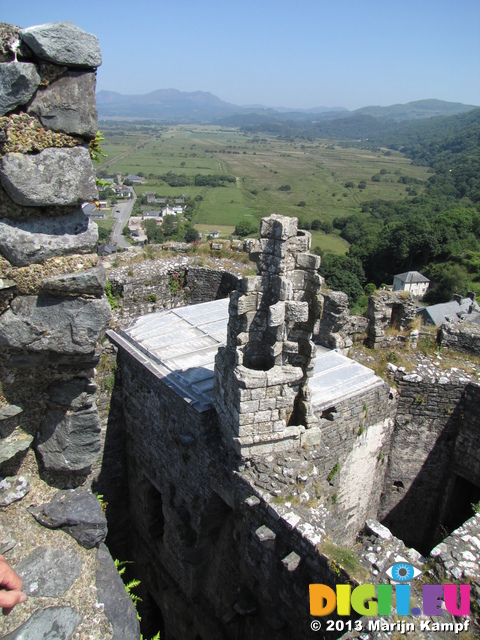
(46, 323)
(91, 281)
(49, 572)
(63, 43)
(74, 394)
(13, 444)
(36, 240)
(118, 606)
(54, 623)
(78, 512)
(13, 488)
(69, 441)
(52, 177)
(19, 81)
(7, 541)
(10, 411)
(68, 104)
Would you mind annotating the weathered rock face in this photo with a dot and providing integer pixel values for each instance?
(19, 81)
(53, 177)
(52, 313)
(27, 242)
(68, 104)
(63, 43)
(52, 308)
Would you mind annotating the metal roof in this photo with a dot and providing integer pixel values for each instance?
(179, 346)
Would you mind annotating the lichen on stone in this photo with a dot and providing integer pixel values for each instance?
(24, 134)
(8, 35)
(28, 279)
(49, 72)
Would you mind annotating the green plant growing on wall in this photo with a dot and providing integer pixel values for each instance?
(333, 472)
(113, 299)
(175, 283)
(95, 149)
(129, 586)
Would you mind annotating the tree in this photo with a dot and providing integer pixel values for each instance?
(245, 228)
(169, 226)
(153, 231)
(190, 234)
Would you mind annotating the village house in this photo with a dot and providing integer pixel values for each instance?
(411, 281)
(457, 310)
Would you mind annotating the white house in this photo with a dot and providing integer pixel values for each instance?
(411, 281)
(168, 211)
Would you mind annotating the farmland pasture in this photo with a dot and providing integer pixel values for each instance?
(311, 180)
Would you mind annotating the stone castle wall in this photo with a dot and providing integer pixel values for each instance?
(53, 312)
(228, 560)
(461, 337)
(157, 285)
(435, 440)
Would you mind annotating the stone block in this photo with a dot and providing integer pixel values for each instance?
(49, 572)
(278, 227)
(117, 604)
(296, 311)
(19, 81)
(291, 561)
(52, 622)
(91, 281)
(251, 283)
(52, 177)
(78, 512)
(36, 240)
(276, 314)
(266, 537)
(63, 43)
(68, 104)
(247, 303)
(298, 280)
(65, 326)
(308, 261)
(13, 488)
(69, 441)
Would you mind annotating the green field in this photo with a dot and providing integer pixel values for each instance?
(272, 176)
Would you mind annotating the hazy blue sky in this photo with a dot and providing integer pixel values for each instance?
(301, 53)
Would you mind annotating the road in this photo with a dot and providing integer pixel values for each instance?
(122, 212)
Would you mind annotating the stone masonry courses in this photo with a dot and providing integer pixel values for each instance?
(53, 312)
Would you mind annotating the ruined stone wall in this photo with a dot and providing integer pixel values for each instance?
(387, 309)
(461, 337)
(52, 288)
(163, 284)
(429, 416)
(336, 328)
(228, 563)
(52, 313)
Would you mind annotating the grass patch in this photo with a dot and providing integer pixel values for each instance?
(316, 172)
(343, 558)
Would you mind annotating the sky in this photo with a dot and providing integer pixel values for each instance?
(279, 53)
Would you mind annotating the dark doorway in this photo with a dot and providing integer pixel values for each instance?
(459, 508)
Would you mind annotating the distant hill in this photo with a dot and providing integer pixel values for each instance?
(415, 110)
(163, 104)
(201, 106)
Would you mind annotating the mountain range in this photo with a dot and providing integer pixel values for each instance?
(172, 105)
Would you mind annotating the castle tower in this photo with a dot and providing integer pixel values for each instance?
(261, 376)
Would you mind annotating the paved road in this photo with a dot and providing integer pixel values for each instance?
(122, 212)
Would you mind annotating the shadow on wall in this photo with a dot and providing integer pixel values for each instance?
(437, 500)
